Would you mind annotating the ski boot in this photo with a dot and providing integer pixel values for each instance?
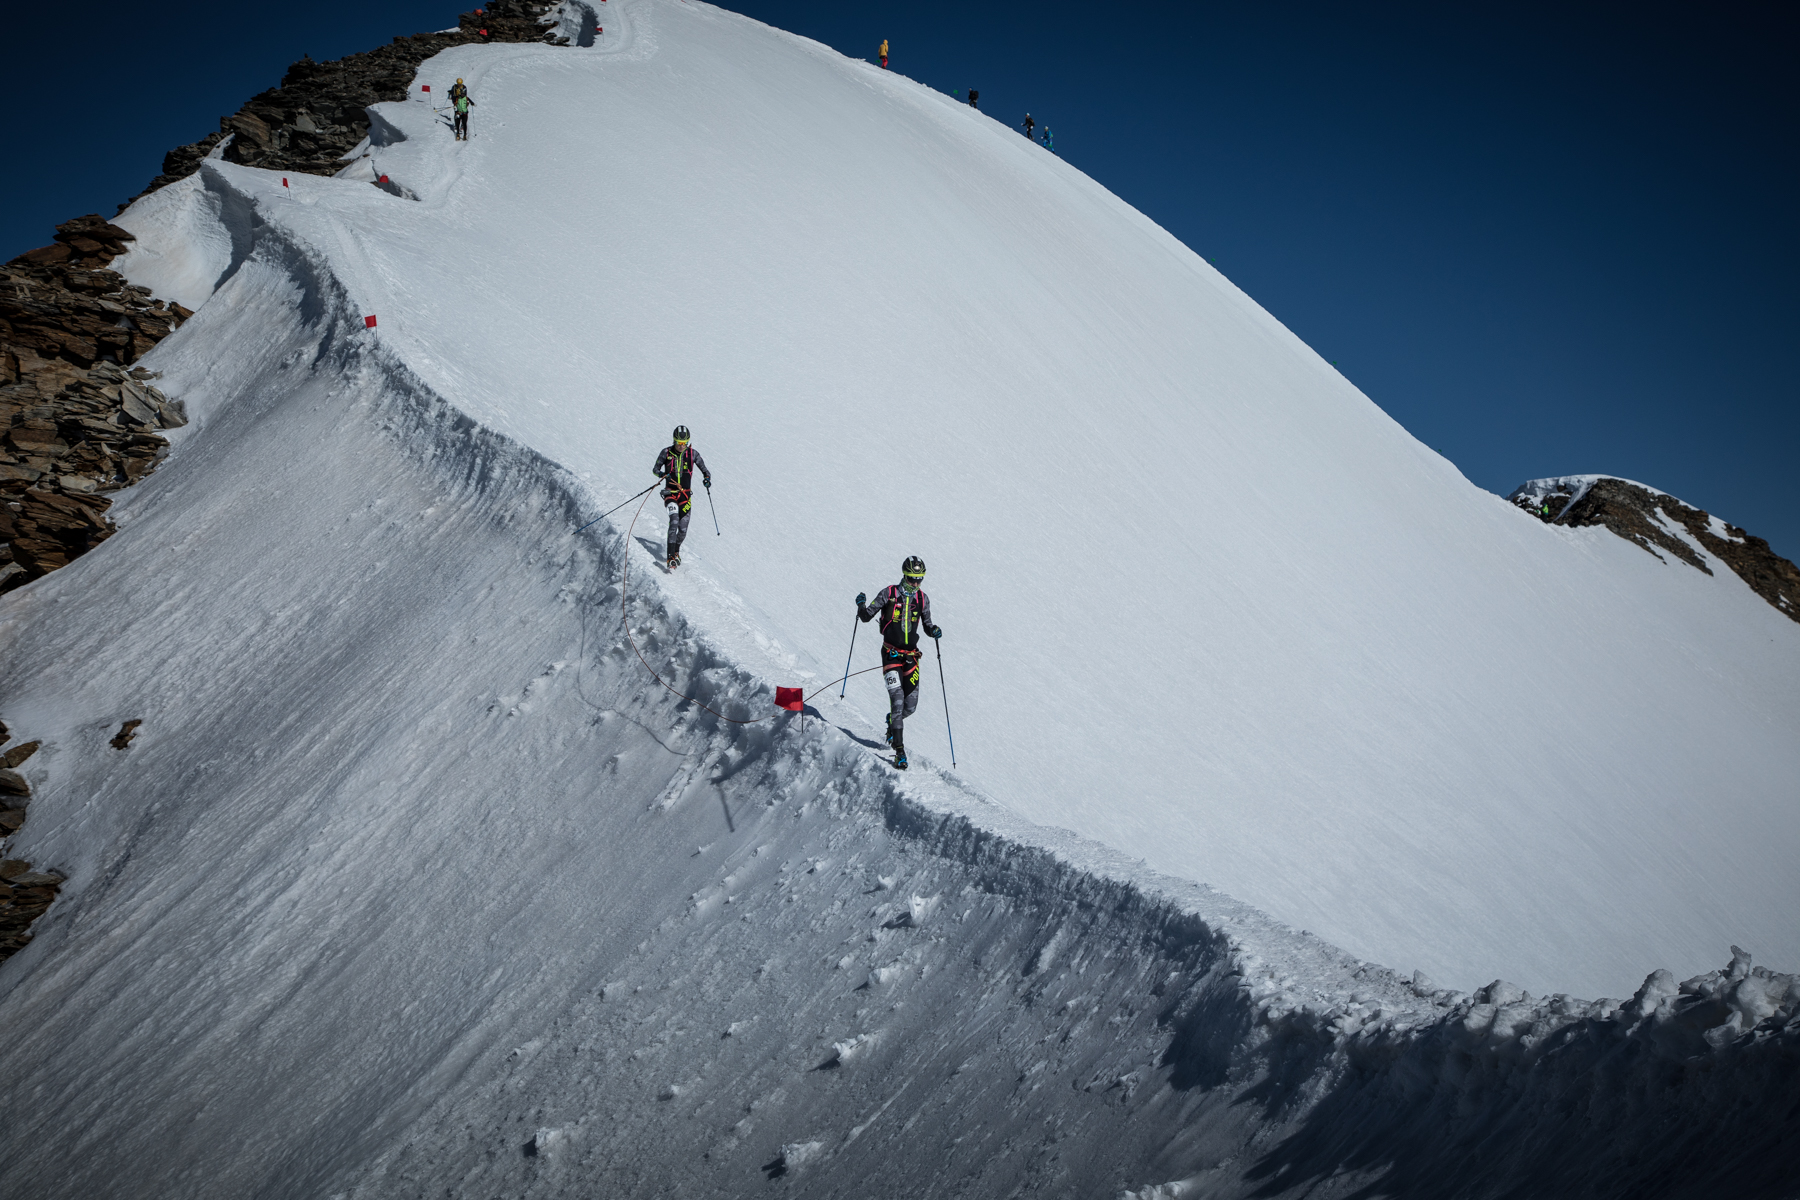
(899, 752)
(674, 560)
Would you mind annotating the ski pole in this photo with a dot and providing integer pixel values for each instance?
(609, 512)
(715, 512)
(946, 696)
(847, 657)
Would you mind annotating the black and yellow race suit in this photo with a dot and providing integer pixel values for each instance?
(901, 614)
(676, 466)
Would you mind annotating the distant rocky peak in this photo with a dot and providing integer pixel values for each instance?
(1663, 525)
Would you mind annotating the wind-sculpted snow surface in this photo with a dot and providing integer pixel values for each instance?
(1204, 603)
(410, 885)
(413, 882)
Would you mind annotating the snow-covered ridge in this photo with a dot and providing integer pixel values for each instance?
(1326, 711)
(307, 122)
(810, 954)
(413, 882)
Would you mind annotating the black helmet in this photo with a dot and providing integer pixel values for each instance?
(913, 569)
(681, 433)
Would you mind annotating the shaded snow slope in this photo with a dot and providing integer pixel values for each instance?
(409, 886)
(1204, 602)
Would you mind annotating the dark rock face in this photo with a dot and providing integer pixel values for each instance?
(74, 423)
(59, 303)
(316, 116)
(1630, 510)
(19, 754)
(25, 894)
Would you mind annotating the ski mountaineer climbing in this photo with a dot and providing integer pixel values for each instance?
(1029, 125)
(459, 100)
(675, 466)
(973, 97)
(901, 607)
(884, 54)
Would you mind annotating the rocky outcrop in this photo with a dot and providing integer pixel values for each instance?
(78, 419)
(1658, 522)
(25, 894)
(75, 422)
(316, 117)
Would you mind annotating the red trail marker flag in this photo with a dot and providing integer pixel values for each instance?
(369, 322)
(792, 699)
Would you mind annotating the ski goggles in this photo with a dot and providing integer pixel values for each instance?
(911, 582)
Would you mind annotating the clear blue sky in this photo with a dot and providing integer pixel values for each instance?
(1546, 239)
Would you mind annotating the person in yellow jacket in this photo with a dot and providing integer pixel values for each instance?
(460, 104)
(884, 54)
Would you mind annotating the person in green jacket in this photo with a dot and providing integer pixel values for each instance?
(459, 100)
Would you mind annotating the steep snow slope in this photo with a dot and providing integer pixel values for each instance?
(412, 883)
(408, 886)
(1205, 603)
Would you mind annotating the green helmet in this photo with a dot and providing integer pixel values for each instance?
(681, 433)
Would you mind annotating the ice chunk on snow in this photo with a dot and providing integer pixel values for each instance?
(842, 1052)
(798, 1154)
(1658, 986)
(882, 976)
(1162, 1191)
(1500, 993)
(547, 1143)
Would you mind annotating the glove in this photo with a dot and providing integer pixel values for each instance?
(709, 483)
(934, 631)
(862, 600)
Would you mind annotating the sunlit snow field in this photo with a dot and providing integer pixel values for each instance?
(1203, 602)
